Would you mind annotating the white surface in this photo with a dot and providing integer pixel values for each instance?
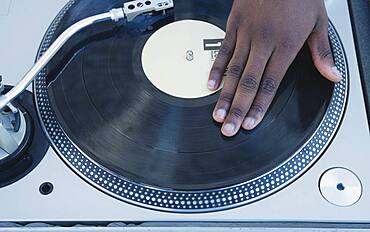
(21, 32)
(341, 187)
(165, 60)
(5, 7)
(75, 200)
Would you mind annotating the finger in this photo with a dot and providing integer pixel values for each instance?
(231, 80)
(225, 54)
(321, 52)
(274, 74)
(246, 92)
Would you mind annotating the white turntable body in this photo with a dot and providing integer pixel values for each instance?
(22, 26)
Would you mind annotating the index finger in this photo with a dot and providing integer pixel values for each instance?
(222, 60)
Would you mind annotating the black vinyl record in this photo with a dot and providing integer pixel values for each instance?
(112, 112)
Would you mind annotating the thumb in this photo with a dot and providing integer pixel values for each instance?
(322, 55)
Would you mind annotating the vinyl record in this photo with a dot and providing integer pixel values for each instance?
(110, 109)
(114, 121)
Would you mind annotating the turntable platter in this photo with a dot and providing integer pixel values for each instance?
(112, 123)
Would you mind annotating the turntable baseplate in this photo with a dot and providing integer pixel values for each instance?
(125, 148)
(141, 145)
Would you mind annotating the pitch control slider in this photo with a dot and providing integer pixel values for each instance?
(129, 11)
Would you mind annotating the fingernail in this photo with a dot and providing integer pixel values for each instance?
(212, 84)
(336, 72)
(249, 123)
(229, 129)
(220, 114)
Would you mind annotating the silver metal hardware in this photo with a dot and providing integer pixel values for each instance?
(130, 11)
(341, 187)
(135, 8)
(1, 85)
(12, 132)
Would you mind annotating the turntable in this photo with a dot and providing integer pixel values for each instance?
(118, 126)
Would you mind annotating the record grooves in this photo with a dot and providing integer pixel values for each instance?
(112, 121)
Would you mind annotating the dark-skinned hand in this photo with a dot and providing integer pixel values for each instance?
(263, 37)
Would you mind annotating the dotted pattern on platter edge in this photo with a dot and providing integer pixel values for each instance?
(200, 201)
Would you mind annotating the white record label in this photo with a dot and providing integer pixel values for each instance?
(178, 57)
